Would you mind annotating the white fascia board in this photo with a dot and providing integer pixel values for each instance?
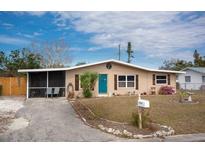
(101, 62)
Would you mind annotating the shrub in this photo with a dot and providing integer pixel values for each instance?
(87, 93)
(88, 81)
(166, 90)
(1, 88)
(182, 95)
(145, 119)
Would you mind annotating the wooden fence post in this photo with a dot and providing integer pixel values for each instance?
(10, 85)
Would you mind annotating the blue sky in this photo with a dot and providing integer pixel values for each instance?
(94, 36)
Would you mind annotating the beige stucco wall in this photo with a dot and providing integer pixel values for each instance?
(145, 78)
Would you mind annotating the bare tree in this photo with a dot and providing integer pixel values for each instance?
(55, 53)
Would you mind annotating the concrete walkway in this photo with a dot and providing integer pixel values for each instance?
(55, 120)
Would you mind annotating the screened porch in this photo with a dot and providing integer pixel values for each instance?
(46, 84)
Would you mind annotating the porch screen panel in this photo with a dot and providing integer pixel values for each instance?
(38, 79)
(37, 84)
(56, 79)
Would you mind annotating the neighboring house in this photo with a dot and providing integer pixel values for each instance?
(115, 77)
(193, 79)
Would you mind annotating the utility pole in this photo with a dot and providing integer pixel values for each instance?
(119, 51)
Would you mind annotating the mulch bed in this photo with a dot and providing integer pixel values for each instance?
(93, 120)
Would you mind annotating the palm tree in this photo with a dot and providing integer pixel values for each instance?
(129, 52)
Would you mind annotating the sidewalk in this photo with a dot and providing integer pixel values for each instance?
(176, 138)
(186, 138)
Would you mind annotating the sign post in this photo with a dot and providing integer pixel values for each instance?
(140, 117)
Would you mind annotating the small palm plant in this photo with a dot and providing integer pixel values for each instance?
(182, 95)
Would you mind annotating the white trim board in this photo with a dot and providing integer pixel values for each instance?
(97, 63)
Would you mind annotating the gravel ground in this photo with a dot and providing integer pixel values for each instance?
(10, 105)
(8, 108)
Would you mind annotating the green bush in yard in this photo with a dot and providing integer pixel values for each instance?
(87, 93)
(1, 88)
(88, 80)
(145, 119)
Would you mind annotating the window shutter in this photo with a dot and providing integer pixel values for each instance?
(168, 79)
(115, 82)
(153, 79)
(137, 82)
(76, 82)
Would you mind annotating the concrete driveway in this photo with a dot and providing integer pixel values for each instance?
(53, 120)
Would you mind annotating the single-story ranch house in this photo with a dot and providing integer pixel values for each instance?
(115, 78)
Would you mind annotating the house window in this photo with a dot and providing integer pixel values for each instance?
(161, 79)
(203, 79)
(122, 81)
(126, 81)
(130, 81)
(187, 78)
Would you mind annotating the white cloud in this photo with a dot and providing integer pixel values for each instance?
(34, 34)
(13, 40)
(37, 13)
(25, 35)
(33, 13)
(157, 34)
(37, 33)
(94, 48)
(76, 49)
(7, 25)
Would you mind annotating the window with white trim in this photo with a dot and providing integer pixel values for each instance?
(126, 81)
(121, 81)
(130, 81)
(187, 78)
(161, 79)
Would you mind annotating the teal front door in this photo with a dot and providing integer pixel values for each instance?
(102, 86)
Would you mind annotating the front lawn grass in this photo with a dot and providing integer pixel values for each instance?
(166, 110)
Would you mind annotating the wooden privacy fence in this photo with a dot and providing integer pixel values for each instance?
(13, 86)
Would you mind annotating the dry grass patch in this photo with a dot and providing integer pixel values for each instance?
(184, 118)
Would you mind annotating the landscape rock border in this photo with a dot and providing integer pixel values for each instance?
(164, 130)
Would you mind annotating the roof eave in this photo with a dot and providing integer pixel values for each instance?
(96, 63)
